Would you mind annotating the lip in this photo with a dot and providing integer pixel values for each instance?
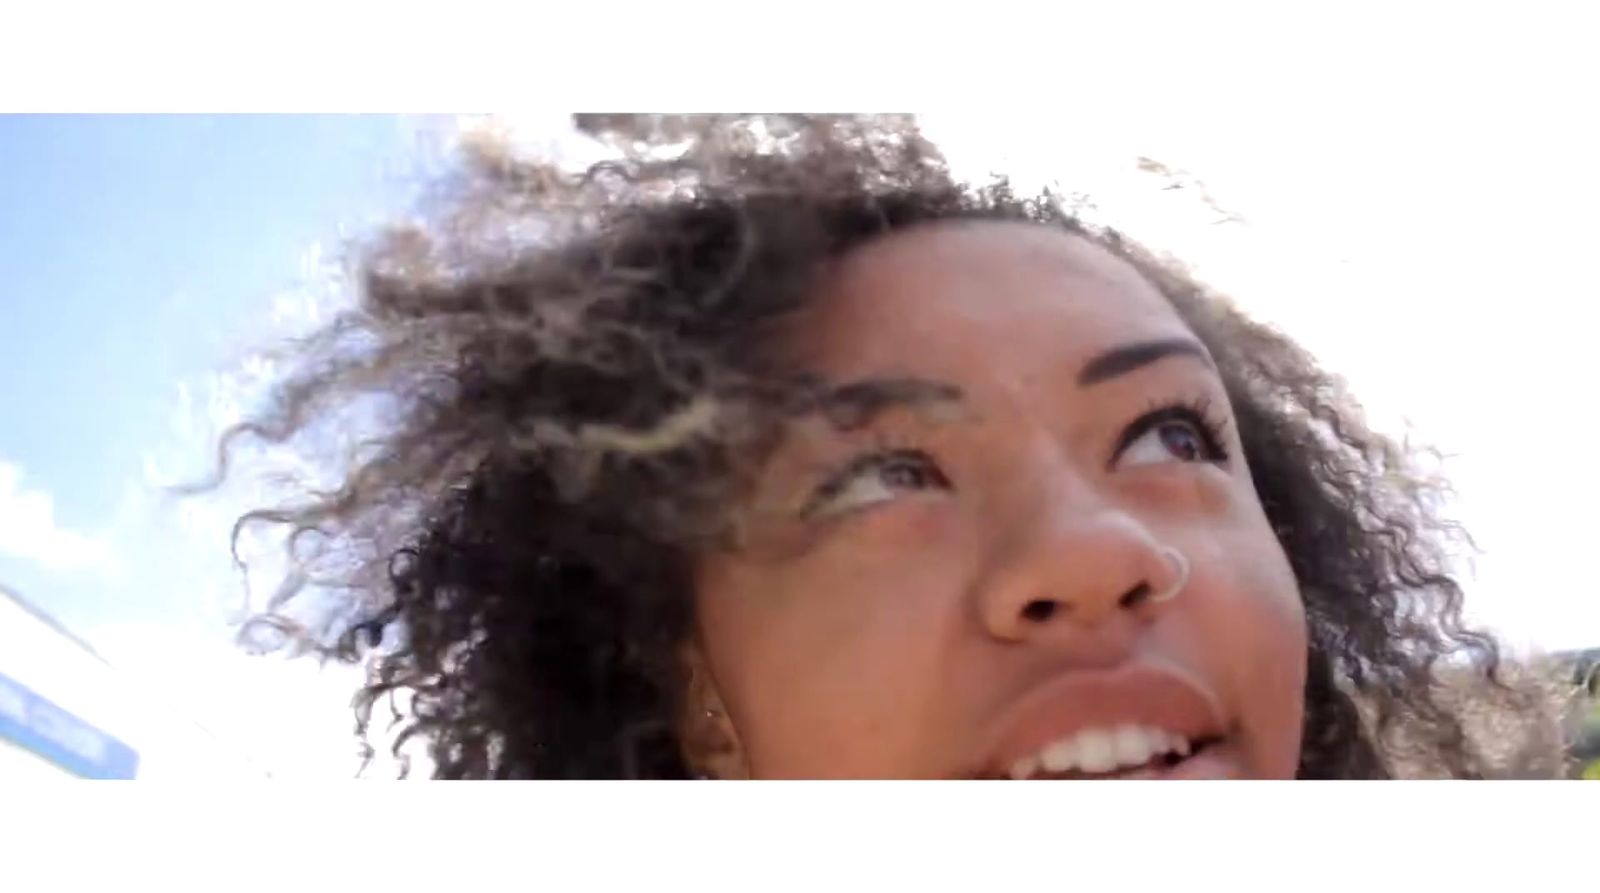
(1143, 693)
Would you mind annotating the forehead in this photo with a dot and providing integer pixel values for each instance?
(1003, 303)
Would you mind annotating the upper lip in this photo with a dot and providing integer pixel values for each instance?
(1147, 694)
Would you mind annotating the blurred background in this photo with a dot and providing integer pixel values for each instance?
(1427, 237)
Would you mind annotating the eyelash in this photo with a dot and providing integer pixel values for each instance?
(888, 448)
(1197, 412)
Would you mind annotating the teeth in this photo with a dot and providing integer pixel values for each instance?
(1097, 750)
(1135, 745)
(1061, 756)
(1101, 750)
(1024, 767)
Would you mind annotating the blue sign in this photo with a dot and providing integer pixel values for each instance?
(58, 736)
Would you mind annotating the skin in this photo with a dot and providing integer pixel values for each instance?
(915, 623)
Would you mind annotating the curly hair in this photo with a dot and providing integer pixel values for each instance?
(570, 374)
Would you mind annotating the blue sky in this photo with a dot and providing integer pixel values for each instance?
(135, 253)
(141, 258)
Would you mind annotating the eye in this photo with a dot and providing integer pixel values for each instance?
(1175, 433)
(1167, 441)
(876, 478)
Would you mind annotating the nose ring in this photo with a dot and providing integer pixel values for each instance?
(1178, 560)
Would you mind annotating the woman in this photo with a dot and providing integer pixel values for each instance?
(767, 450)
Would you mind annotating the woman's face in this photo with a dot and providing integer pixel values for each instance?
(1056, 567)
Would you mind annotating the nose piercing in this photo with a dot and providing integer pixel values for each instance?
(1182, 564)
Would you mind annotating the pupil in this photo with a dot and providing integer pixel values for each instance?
(1181, 441)
(903, 475)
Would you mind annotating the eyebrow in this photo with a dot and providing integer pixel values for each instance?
(856, 404)
(1122, 360)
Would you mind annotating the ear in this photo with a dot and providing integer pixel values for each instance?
(707, 735)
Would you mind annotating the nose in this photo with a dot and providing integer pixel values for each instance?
(1075, 567)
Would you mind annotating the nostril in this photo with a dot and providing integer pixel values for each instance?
(1135, 595)
(1039, 610)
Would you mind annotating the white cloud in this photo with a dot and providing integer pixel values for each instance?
(29, 530)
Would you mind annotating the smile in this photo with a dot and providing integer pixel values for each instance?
(1139, 720)
(1110, 752)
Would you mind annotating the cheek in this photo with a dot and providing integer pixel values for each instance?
(830, 662)
(1253, 572)
(1249, 606)
(1251, 601)
(1243, 620)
